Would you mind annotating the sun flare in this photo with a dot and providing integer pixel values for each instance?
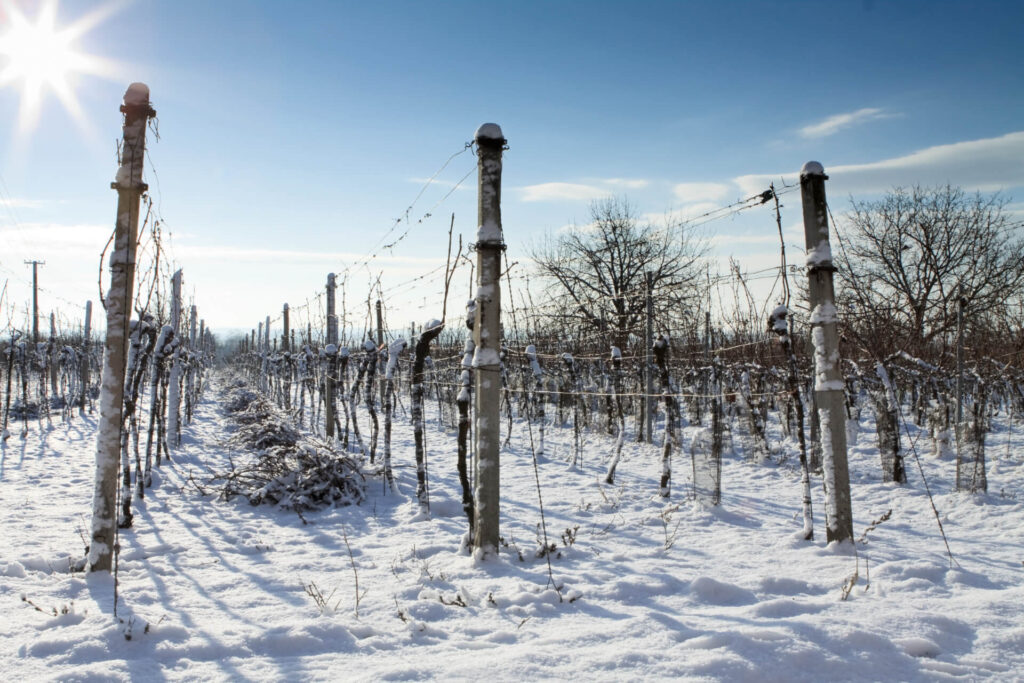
(42, 57)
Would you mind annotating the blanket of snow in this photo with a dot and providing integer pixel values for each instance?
(648, 588)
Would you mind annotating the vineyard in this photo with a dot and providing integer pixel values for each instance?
(767, 492)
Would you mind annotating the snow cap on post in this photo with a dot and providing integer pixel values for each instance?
(777, 320)
(136, 103)
(812, 168)
(136, 112)
(137, 95)
(489, 134)
(394, 348)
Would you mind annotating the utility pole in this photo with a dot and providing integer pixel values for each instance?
(828, 380)
(35, 298)
(490, 242)
(128, 183)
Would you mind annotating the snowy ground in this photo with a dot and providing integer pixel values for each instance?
(650, 588)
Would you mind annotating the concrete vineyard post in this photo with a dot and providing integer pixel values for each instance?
(128, 183)
(828, 380)
(86, 351)
(649, 399)
(331, 353)
(174, 381)
(487, 337)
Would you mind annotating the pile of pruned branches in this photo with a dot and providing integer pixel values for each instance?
(290, 469)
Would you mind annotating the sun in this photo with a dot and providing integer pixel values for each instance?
(43, 58)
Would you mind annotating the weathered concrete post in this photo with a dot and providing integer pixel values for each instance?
(35, 298)
(961, 303)
(487, 338)
(52, 352)
(380, 345)
(828, 380)
(190, 372)
(174, 380)
(86, 352)
(287, 329)
(650, 404)
(129, 186)
(331, 353)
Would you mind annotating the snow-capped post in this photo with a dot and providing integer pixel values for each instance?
(462, 402)
(490, 243)
(370, 363)
(575, 389)
(961, 302)
(35, 298)
(421, 351)
(661, 351)
(84, 359)
(129, 186)
(174, 382)
(778, 323)
(51, 353)
(331, 351)
(394, 349)
(828, 380)
(380, 339)
(286, 365)
(649, 400)
(265, 359)
(193, 363)
(620, 432)
(539, 395)
(287, 328)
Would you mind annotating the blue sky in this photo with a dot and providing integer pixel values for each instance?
(294, 134)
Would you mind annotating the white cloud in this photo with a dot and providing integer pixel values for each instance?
(701, 192)
(732, 241)
(987, 165)
(51, 237)
(16, 203)
(833, 124)
(545, 192)
(628, 183)
(1015, 210)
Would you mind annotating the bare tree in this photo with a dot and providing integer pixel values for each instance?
(912, 254)
(598, 271)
